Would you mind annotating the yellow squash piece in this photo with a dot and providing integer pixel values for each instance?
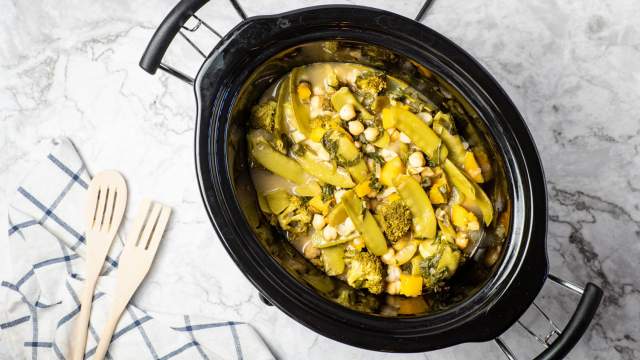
(273, 160)
(333, 260)
(475, 199)
(318, 205)
(417, 130)
(304, 92)
(411, 306)
(365, 223)
(391, 170)
(405, 254)
(461, 217)
(472, 168)
(317, 134)
(391, 198)
(363, 188)
(438, 193)
(424, 219)
(410, 285)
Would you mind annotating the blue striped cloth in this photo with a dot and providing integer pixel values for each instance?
(41, 295)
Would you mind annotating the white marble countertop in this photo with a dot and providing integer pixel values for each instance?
(572, 68)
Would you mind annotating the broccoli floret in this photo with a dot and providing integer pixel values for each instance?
(263, 116)
(352, 299)
(366, 271)
(441, 262)
(296, 217)
(371, 82)
(368, 85)
(397, 219)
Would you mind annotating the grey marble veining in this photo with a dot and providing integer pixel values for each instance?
(571, 67)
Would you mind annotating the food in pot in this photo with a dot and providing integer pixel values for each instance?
(368, 178)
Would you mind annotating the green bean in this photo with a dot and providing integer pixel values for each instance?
(273, 160)
(365, 223)
(417, 130)
(324, 171)
(424, 219)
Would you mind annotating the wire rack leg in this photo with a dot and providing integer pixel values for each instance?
(505, 349)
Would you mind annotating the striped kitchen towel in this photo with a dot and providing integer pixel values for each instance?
(39, 299)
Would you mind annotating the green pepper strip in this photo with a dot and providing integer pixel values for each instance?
(324, 172)
(281, 95)
(300, 110)
(424, 219)
(321, 243)
(441, 125)
(365, 223)
(343, 97)
(417, 130)
(273, 160)
(348, 150)
(474, 197)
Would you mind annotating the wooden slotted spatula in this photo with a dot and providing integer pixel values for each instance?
(140, 248)
(107, 200)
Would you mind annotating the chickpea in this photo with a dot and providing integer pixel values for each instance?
(348, 112)
(371, 134)
(417, 160)
(329, 233)
(355, 127)
(318, 221)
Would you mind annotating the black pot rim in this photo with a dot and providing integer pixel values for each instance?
(479, 318)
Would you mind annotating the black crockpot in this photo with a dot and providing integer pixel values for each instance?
(246, 61)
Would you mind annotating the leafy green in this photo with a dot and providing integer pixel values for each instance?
(327, 192)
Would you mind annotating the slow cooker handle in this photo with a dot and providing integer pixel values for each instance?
(165, 33)
(577, 326)
(590, 298)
